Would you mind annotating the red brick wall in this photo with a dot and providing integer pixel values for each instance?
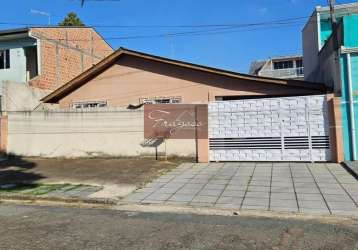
(72, 45)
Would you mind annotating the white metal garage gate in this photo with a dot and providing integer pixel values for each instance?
(270, 129)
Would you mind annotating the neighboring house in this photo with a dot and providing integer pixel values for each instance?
(34, 61)
(335, 63)
(285, 67)
(129, 77)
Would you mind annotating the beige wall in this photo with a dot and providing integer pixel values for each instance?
(133, 78)
(85, 134)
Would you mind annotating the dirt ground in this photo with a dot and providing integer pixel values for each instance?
(116, 171)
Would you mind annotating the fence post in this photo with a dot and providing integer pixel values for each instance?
(3, 133)
(202, 144)
(335, 128)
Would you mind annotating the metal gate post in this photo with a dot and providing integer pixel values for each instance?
(308, 128)
(282, 135)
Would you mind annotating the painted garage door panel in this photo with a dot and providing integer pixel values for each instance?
(270, 129)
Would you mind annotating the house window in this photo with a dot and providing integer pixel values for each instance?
(299, 63)
(161, 100)
(283, 65)
(90, 104)
(31, 62)
(4, 59)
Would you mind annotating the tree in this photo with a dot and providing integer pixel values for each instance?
(71, 20)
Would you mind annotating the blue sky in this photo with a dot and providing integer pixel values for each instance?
(232, 50)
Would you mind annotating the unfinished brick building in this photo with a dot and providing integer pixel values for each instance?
(42, 59)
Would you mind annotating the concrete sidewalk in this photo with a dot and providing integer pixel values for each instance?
(288, 187)
(352, 167)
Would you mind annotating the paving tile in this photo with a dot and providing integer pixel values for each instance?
(257, 194)
(177, 180)
(235, 187)
(198, 181)
(207, 199)
(222, 177)
(308, 190)
(254, 207)
(214, 186)
(284, 209)
(342, 206)
(347, 180)
(234, 193)
(320, 211)
(260, 183)
(282, 184)
(265, 180)
(283, 203)
(337, 197)
(256, 201)
(181, 197)
(173, 185)
(237, 184)
(210, 192)
(283, 196)
(310, 197)
(303, 180)
(282, 189)
(258, 189)
(176, 203)
(193, 186)
(218, 182)
(305, 185)
(230, 200)
(312, 204)
(332, 191)
(191, 191)
(167, 190)
(158, 196)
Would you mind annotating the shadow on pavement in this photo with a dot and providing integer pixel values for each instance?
(13, 170)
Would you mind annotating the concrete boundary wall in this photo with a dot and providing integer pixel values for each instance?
(82, 134)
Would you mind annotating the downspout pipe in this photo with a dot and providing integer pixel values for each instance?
(351, 107)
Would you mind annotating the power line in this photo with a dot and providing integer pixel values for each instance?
(276, 21)
(205, 32)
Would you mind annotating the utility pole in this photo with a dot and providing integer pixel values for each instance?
(331, 8)
(336, 45)
(334, 23)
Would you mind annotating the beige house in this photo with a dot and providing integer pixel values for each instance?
(129, 77)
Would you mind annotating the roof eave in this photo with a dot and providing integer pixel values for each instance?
(77, 82)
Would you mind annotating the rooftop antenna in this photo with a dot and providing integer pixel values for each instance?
(43, 13)
(171, 43)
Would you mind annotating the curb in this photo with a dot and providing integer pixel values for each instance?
(21, 197)
(350, 170)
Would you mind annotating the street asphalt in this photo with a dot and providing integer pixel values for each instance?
(46, 227)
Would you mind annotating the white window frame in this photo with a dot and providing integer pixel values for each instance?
(89, 104)
(161, 100)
